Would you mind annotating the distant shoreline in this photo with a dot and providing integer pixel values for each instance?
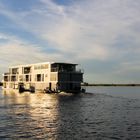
(86, 84)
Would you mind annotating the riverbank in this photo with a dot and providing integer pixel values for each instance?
(86, 84)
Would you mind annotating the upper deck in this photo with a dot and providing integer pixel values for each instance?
(50, 66)
(46, 74)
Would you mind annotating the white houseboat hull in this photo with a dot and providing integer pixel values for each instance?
(48, 77)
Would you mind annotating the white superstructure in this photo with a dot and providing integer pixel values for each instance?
(51, 76)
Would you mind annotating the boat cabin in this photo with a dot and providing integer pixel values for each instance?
(47, 76)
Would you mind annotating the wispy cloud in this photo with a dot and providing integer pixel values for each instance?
(82, 31)
(15, 51)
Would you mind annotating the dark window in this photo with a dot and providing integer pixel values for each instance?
(27, 77)
(5, 78)
(15, 71)
(38, 77)
(13, 78)
(27, 70)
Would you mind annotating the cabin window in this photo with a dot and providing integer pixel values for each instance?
(63, 67)
(6, 78)
(14, 70)
(27, 78)
(20, 78)
(13, 78)
(43, 66)
(38, 77)
(35, 67)
(27, 70)
(46, 66)
(53, 77)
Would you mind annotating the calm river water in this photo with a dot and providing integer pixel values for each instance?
(104, 113)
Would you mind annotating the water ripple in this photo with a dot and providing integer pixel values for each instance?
(67, 116)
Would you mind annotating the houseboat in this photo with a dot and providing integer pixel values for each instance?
(48, 77)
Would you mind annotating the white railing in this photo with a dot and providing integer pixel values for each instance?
(67, 70)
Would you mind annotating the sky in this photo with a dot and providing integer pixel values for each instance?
(103, 36)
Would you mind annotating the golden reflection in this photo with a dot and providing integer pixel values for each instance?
(40, 115)
(37, 113)
(45, 112)
(14, 97)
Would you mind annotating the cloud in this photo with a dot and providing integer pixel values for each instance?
(127, 68)
(79, 27)
(16, 51)
(90, 27)
(81, 31)
(65, 33)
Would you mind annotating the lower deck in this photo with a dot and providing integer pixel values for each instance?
(47, 87)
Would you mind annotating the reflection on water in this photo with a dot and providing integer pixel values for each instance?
(68, 116)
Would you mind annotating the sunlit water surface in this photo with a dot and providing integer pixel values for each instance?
(104, 113)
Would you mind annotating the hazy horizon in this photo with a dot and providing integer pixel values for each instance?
(101, 36)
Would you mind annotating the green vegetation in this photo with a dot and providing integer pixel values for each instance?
(87, 84)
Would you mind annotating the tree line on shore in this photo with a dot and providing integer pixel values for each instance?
(87, 84)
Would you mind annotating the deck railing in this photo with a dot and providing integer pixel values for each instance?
(6, 74)
(67, 70)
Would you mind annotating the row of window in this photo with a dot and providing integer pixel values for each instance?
(38, 78)
(45, 66)
(28, 69)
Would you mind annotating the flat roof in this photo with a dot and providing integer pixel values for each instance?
(64, 63)
(28, 65)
